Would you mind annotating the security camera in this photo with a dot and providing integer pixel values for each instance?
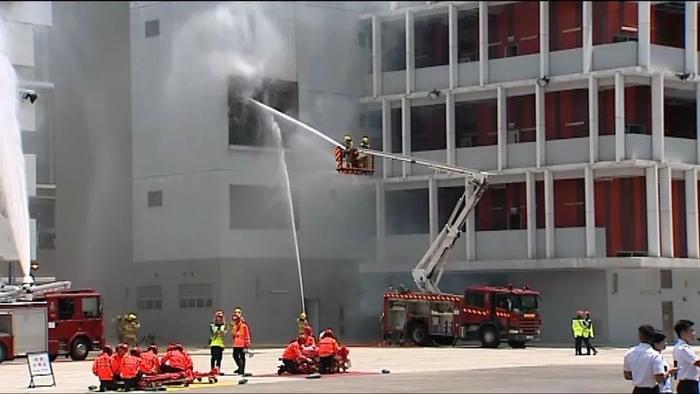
(28, 95)
(542, 82)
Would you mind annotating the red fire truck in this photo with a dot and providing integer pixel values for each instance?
(487, 313)
(73, 321)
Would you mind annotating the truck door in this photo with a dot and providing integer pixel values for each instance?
(90, 318)
(503, 306)
(475, 307)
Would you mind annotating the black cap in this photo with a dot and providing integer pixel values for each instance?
(659, 336)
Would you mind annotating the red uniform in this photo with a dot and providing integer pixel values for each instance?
(310, 341)
(175, 359)
(188, 360)
(292, 352)
(150, 364)
(130, 367)
(117, 361)
(327, 346)
(241, 334)
(102, 367)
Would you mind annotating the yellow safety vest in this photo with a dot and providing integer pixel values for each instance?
(577, 327)
(588, 329)
(218, 334)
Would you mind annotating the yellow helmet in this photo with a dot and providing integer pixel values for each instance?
(347, 138)
(132, 316)
(365, 141)
(302, 316)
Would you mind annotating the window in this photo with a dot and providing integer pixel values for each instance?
(526, 303)
(502, 207)
(475, 299)
(155, 198)
(428, 127)
(260, 207)
(565, 19)
(666, 279)
(396, 130)
(246, 124)
(407, 211)
(468, 36)
(394, 45)
(447, 200)
(91, 307)
(504, 301)
(513, 29)
(475, 123)
(66, 308)
(42, 210)
(431, 46)
(152, 28)
(512, 50)
(149, 297)
(371, 124)
(196, 296)
(614, 20)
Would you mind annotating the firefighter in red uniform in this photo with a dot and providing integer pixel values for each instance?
(150, 365)
(309, 340)
(102, 367)
(240, 331)
(327, 350)
(189, 365)
(292, 358)
(174, 361)
(130, 372)
(118, 360)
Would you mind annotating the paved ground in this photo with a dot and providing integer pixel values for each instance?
(412, 369)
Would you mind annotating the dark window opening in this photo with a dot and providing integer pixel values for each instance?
(502, 207)
(668, 24)
(393, 45)
(447, 200)
(428, 127)
(679, 118)
(569, 203)
(407, 212)
(666, 279)
(566, 114)
(475, 123)
(365, 41)
(155, 198)
(396, 130)
(431, 42)
(614, 21)
(521, 118)
(475, 299)
(468, 36)
(637, 110)
(514, 29)
(371, 124)
(152, 28)
(247, 124)
(66, 308)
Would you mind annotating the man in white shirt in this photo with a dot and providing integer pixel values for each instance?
(643, 365)
(685, 358)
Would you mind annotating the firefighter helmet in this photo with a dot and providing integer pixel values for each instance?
(347, 140)
(364, 142)
(171, 347)
(107, 349)
(153, 348)
(135, 351)
(131, 316)
(302, 316)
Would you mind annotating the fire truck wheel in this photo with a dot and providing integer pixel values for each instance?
(79, 349)
(419, 334)
(3, 353)
(517, 344)
(489, 337)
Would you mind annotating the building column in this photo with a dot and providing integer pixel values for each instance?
(531, 201)
(376, 56)
(666, 211)
(697, 122)
(652, 186)
(643, 33)
(433, 208)
(691, 213)
(589, 191)
(544, 38)
(540, 137)
(657, 117)
(405, 134)
(450, 127)
(483, 43)
(381, 221)
(593, 118)
(502, 128)
(470, 226)
(549, 213)
(620, 117)
(691, 37)
(386, 136)
(410, 58)
(587, 33)
(452, 30)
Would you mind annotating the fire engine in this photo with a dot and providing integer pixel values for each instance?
(50, 318)
(490, 314)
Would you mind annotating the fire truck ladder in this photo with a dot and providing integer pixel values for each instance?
(13, 293)
(429, 271)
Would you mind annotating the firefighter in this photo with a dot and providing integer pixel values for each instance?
(240, 333)
(130, 329)
(150, 364)
(350, 153)
(103, 368)
(118, 360)
(577, 329)
(189, 365)
(292, 358)
(588, 333)
(302, 323)
(130, 372)
(365, 160)
(174, 360)
(327, 350)
(217, 332)
(309, 340)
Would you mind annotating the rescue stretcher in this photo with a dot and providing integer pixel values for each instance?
(184, 378)
(341, 363)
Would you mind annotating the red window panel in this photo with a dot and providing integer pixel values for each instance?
(565, 19)
(502, 207)
(514, 29)
(606, 111)
(569, 209)
(521, 118)
(680, 243)
(475, 123)
(620, 208)
(668, 24)
(637, 109)
(566, 114)
(614, 21)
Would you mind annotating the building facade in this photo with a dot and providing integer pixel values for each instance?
(585, 114)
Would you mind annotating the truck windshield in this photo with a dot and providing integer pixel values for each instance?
(527, 303)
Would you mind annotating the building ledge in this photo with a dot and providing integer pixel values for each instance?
(596, 263)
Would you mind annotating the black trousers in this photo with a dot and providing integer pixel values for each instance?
(291, 366)
(687, 387)
(577, 345)
(169, 369)
(239, 358)
(589, 346)
(646, 390)
(106, 385)
(131, 384)
(326, 364)
(217, 354)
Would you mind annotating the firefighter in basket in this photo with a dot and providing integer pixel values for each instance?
(364, 160)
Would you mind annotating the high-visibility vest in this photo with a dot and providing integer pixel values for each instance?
(588, 329)
(218, 334)
(327, 346)
(577, 327)
(130, 366)
(102, 367)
